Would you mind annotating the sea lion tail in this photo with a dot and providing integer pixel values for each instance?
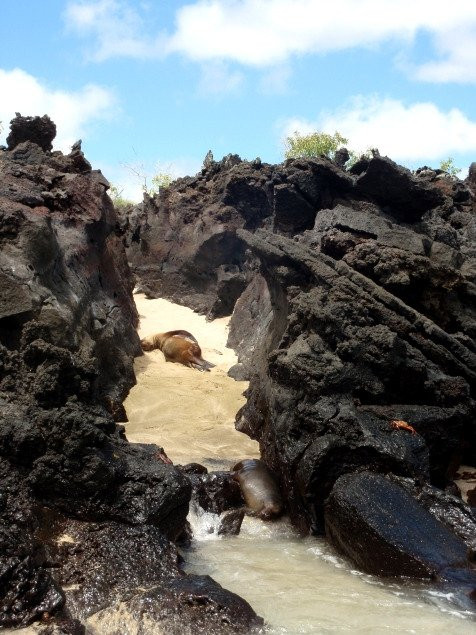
(201, 364)
(207, 365)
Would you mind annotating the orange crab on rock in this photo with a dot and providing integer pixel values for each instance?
(402, 425)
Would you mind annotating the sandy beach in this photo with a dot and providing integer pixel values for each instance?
(189, 413)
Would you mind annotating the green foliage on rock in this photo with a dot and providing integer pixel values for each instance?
(316, 144)
(159, 181)
(118, 200)
(448, 165)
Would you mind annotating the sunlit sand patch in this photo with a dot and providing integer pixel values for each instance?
(65, 539)
(189, 413)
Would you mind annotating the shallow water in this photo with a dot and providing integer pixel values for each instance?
(302, 586)
(299, 585)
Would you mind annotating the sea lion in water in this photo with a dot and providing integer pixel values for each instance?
(259, 488)
(177, 346)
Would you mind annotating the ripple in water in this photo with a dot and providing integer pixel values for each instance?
(300, 585)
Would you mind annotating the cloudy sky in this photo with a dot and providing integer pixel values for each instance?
(153, 85)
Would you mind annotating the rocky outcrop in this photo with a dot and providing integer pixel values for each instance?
(63, 270)
(373, 323)
(386, 531)
(398, 541)
(85, 517)
(187, 605)
(182, 243)
(39, 130)
(358, 315)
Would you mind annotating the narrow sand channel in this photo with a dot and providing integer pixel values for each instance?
(190, 413)
(298, 585)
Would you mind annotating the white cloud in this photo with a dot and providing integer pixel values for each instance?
(116, 27)
(263, 33)
(457, 50)
(419, 131)
(269, 32)
(72, 112)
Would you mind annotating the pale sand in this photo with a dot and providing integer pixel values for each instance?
(466, 480)
(189, 413)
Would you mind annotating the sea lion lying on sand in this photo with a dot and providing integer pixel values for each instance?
(259, 488)
(177, 346)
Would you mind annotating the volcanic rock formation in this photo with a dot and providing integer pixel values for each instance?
(358, 313)
(85, 517)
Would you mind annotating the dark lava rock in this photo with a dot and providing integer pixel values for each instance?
(472, 498)
(39, 130)
(239, 372)
(200, 214)
(472, 174)
(191, 605)
(216, 491)
(64, 274)
(100, 564)
(193, 468)
(448, 509)
(182, 244)
(292, 213)
(396, 190)
(361, 312)
(358, 312)
(250, 325)
(384, 530)
(230, 522)
(342, 358)
(27, 588)
(86, 518)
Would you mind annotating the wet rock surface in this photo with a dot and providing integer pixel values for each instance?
(403, 538)
(216, 492)
(67, 342)
(97, 564)
(185, 606)
(385, 530)
(358, 316)
(230, 522)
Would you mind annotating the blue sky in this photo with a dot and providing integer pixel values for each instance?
(153, 85)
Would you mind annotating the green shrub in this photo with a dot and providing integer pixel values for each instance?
(448, 166)
(313, 145)
(160, 180)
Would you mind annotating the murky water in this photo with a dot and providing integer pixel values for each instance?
(298, 585)
(302, 586)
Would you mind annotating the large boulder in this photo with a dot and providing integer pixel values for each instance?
(184, 606)
(39, 130)
(385, 531)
